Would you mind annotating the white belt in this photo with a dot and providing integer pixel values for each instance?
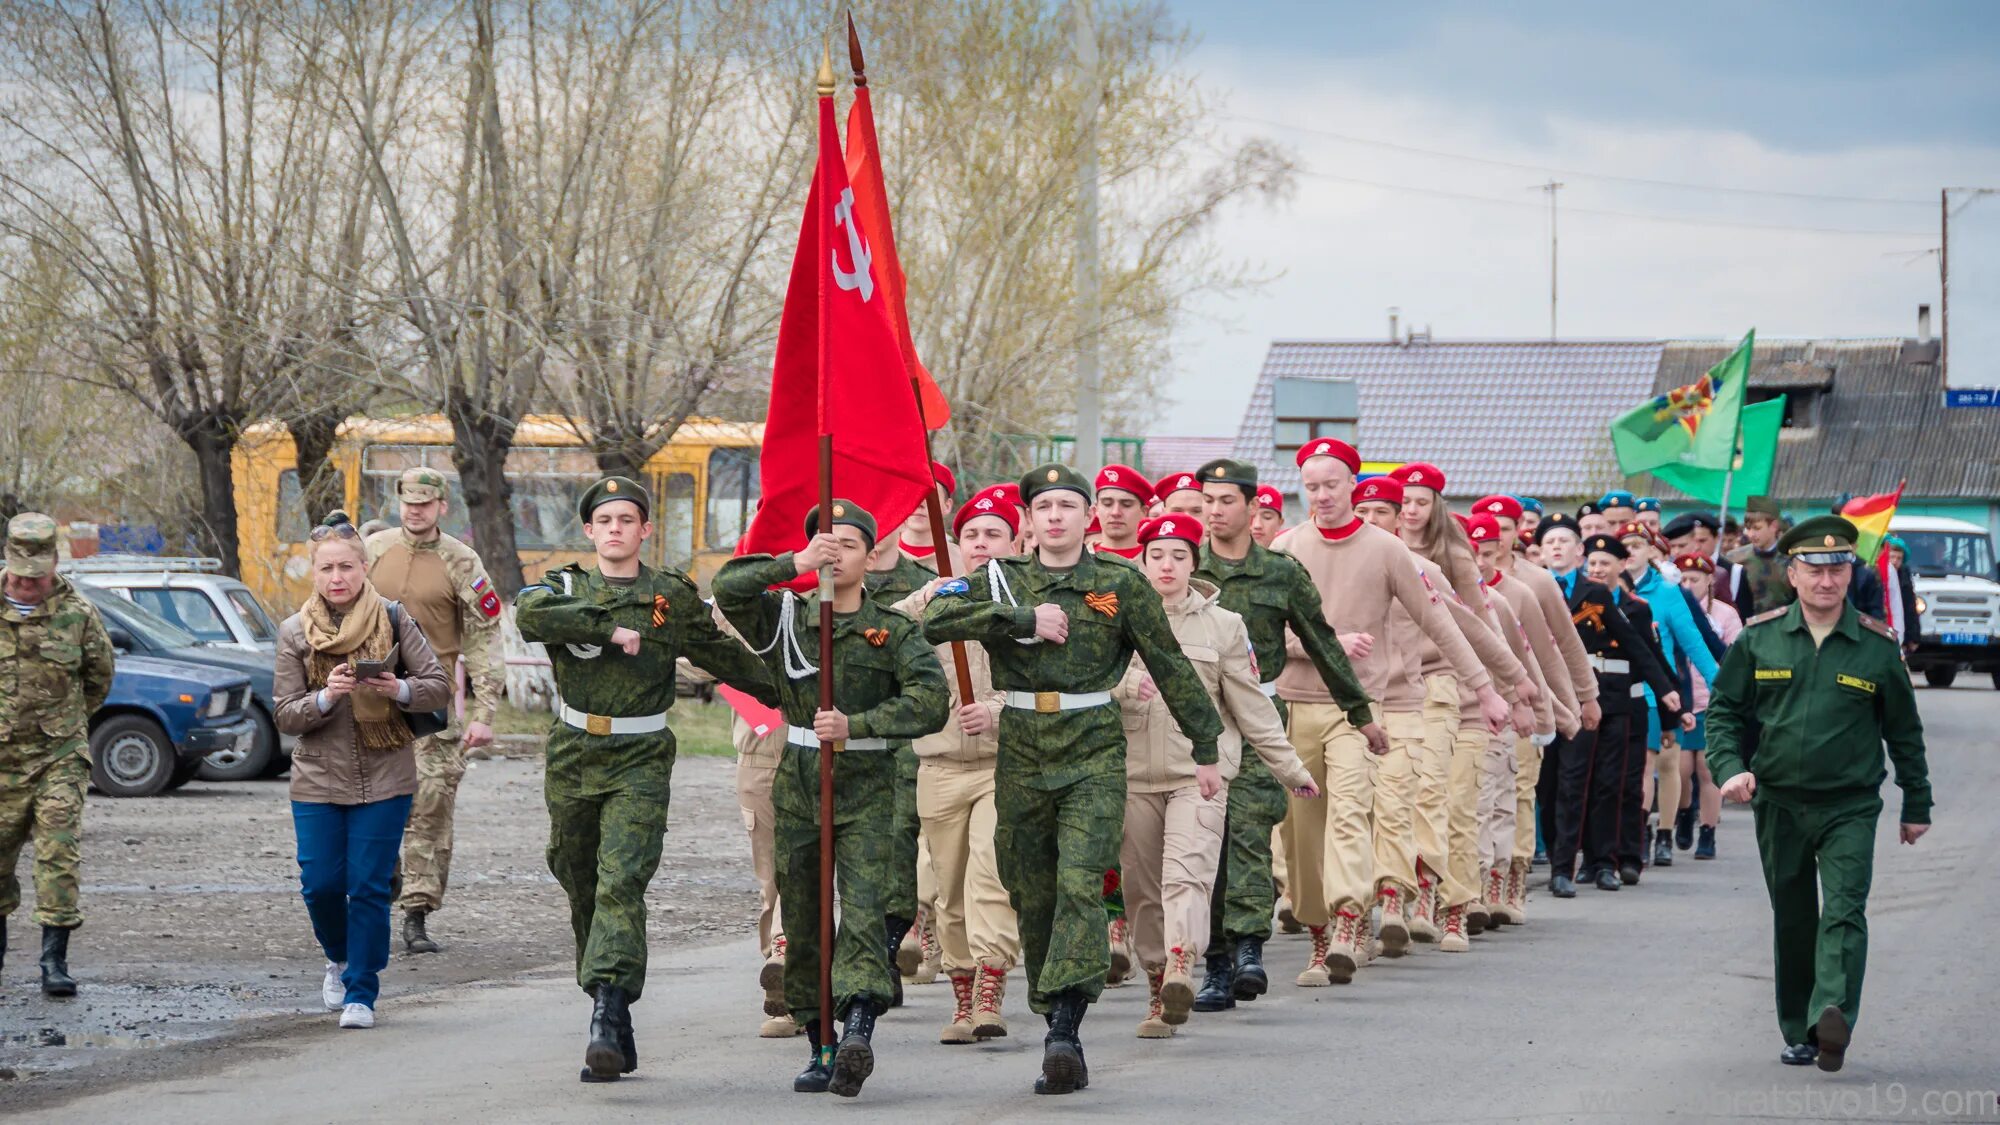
(1638, 691)
(1612, 665)
(805, 738)
(1051, 701)
(1269, 689)
(608, 724)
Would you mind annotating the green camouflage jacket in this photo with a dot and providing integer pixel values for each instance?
(887, 587)
(55, 670)
(1272, 592)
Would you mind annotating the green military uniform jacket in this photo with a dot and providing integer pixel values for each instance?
(887, 587)
(1764, 576)
(1113, 612)
(1272, 593)
(56, 665)
(1816, 719)
(573, 611)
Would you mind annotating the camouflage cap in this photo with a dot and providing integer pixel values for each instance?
(1223, 470)
(845, 513)
(31, 545)
(612, 489)
(1050, 478)
(420, 486)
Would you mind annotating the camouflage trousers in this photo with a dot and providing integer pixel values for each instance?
(1054, 847)
(1245, 893)
(903, 896)
(607, 823)
(864, 872)
(426, 859)
(43, 796)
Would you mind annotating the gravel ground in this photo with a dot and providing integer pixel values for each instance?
(195, 938)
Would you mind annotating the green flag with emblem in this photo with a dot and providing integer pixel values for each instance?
(1692, 427)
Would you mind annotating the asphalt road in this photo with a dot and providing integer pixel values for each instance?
(1650, 1003)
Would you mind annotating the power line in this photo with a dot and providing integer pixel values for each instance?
(1770, 193)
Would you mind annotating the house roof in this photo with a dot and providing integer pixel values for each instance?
(1165, 455)
(1881, 419)
(1499, 416)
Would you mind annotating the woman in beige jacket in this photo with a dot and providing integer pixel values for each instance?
(975, 920)
(355, 765)
(1174, 809)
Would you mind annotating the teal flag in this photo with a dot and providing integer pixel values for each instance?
(1693, 427)
(1754, 463)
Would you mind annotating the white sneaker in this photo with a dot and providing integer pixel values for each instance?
(357, 1015)
(331, 992)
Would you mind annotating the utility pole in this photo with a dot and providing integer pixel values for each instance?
(1552, 187)
(1089, 425)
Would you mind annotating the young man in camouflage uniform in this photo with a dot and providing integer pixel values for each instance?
(1061, 626)
(613, 635)
(887, 690)
(55, 669)
(443, 585)
(1272, 593)
(1764, 586)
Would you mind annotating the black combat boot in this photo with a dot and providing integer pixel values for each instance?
(1217, 994)
(1063, 1069)
(1250, 978)
(627, 1044)
(55, 962)
(604, 1058)
(818, 1073)
(855, 1060)
(1684, 828)
(898, 928)
(1663, 848)
(415, 940)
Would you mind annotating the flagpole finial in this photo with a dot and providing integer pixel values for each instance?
(825, 80)
(854, 57)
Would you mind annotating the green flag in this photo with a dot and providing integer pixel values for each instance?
(1692, 426)
(1759, 455)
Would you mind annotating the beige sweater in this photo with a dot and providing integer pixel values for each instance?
(952, 748)
(1555, 608)
(1359, 577)
(1480, 630)
(1548, 659)
(1517, 644)
(1158, 757)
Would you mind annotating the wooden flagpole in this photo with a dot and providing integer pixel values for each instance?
(824, 86)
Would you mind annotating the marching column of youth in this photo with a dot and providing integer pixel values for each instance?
(978, 936)
(1060, 626)
(1815, 690)
(1616, 840)
(887, 689)
(1683, 642)
(1276, 598)
(1175, 808)
(613, 635)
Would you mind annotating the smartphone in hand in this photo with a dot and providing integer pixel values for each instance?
(370, 669)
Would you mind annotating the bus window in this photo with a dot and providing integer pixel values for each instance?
(673, 519)
(383, 465)
(293, 526)
(732, 496)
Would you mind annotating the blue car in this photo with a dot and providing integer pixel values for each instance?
(161, 719)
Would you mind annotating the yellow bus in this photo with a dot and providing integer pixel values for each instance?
(704, 485)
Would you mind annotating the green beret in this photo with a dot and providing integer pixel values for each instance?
(1222, 470)
(31, 545)
(610, 489)
(1051, 478)
(1821, 540)
(845, 512)
(1762, 506)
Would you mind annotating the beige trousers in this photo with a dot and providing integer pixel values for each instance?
(753, 796)
(1342, 846)
(975, 921)
(1495, 846)
(1433, 769)
(1468, 750)
(1173, 844)
(1527, 771)
(1278, 860)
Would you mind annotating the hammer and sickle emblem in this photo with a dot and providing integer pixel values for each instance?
(857, 249)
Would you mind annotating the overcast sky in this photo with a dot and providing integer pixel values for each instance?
(1878, 104)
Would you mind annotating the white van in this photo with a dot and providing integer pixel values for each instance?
(1958, 597)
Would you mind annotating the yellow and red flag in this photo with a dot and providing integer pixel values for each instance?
(1870, 516)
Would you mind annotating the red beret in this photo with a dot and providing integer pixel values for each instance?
(1501, 505)
(943, 476)
(1268, 497)
(1387, 489)
(1093, 527)
(1633, 529)
(1330, 447)
(1463, 523)
(1008, 491)
(1126, 479)
(1185, 528)
(1420, 473)
(1176, 482)
(1482, 528)
(1695, 562)
(987, 503)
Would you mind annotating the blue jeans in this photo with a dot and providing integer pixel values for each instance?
(347, 857)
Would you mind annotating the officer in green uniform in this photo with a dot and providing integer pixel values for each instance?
(1061, 626)
(55, 670)
(1272, 593)
(887, 690)
(1803, 705)
(1763, 562)
(613, 635)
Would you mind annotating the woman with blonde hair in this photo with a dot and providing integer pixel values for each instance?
(353, 672)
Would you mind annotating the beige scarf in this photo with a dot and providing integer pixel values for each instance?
(361, 632)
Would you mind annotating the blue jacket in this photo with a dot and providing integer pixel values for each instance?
(1679, 635)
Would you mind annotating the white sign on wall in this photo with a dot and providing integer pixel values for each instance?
(1972, 297)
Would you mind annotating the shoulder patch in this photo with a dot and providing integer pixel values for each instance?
(1767, 615)
(1876, 627)
(954, 587)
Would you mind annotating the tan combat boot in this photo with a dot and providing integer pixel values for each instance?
(779, 1027)
(771, 978)
(933, 950)
(1477, 919)
(1453, 940)
(1498, 911)
(1517, 890)
(1395, 932)
(1119, 933)
(910, 951)
(1315, 974)
(960, 1029)
(1350, 945)
(1155, 1026)
(1288, 922)
(1427, 907)
(987, 1022)
(1177, 990)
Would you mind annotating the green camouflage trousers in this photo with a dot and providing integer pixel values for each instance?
(426, 860)
(1053, 848)
(903, 893)
(607, 821)
(865, 874)
(1244, 892)
(43, 796)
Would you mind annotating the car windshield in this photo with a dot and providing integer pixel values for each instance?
(152, 630)
(186, 607)
(252, 611)
(1939, 553)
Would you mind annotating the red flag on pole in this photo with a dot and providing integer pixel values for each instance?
(861, 393)
(871, 199)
